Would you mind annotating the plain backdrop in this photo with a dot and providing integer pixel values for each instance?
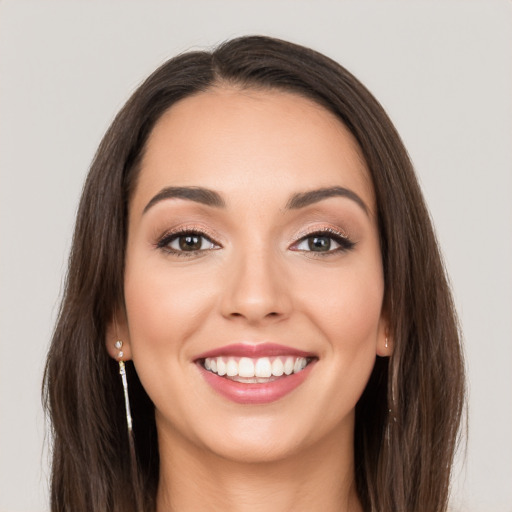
(443, 71)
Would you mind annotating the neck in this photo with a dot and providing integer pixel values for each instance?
(320, 478)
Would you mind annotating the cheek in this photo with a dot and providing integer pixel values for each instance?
(164, 306)
(347, 303)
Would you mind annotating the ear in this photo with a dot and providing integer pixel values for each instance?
(117, 331)
(384, 338)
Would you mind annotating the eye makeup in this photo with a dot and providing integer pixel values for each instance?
(321, 242)
(187, 241)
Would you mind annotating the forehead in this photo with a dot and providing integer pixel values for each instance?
(229, 138)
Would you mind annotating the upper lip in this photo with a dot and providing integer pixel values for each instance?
(254, 351)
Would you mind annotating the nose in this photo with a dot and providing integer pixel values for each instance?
(256, 289)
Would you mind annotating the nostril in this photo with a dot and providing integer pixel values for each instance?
(271, 314)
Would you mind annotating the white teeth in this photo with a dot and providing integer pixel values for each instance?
(277, 368)
(288, 366)
(231, 368)
(221, 366)
(245, 367)
(263, 367)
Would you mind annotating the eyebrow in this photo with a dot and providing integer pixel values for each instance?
(211, 198)
(196, 194)
(304, 199)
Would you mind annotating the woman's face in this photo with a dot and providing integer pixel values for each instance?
(253, 282)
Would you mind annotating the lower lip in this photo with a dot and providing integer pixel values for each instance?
(256, 393)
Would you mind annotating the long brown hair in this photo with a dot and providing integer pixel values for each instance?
(407, 420)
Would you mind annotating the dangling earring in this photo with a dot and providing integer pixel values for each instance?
(122, 371)
(133, 458)
(386, 342)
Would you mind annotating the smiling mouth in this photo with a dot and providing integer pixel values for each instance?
(255, 370)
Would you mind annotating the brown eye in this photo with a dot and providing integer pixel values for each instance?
(319, 243)
(325, 242)
(190, 242)
(186, 242)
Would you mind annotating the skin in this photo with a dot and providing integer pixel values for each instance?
(256, 281)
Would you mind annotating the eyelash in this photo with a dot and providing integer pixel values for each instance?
(168, 238)
(344, 243)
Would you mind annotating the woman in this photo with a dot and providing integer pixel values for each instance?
(253, 254)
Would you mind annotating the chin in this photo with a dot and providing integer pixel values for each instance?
(256, 447)
(275, 436)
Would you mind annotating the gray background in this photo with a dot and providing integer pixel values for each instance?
(443, 71)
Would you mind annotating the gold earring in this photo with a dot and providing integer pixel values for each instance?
(122, 371)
